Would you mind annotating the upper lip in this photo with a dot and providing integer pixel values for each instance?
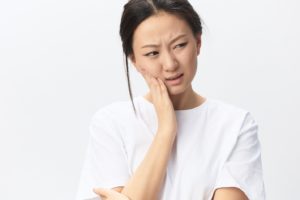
(175, 76)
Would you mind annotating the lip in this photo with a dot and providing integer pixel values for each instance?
(172, 77)
(176, 81)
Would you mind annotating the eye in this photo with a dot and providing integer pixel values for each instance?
(181, 45)
(151, 54)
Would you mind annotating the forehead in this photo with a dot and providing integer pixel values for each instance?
(160, 27)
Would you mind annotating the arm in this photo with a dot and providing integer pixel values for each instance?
(148, 178)
(229, 193)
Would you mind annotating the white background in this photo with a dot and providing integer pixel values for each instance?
(62, 60)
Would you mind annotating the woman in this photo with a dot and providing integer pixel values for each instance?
(174, 143)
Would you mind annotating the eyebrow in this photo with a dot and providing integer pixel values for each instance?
(173, 40)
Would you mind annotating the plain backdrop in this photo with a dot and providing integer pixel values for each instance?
(60, 61)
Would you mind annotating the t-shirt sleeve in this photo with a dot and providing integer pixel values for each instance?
(243, 167)
(105, 163)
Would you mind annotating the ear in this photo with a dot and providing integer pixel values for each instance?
(132, 58)
(198, 41)
(133, 61)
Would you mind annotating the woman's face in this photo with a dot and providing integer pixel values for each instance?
(165, 46)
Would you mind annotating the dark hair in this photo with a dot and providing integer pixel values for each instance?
(136, 11)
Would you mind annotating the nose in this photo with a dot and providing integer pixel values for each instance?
(169, 61)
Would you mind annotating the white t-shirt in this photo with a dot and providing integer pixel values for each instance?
(216, 146)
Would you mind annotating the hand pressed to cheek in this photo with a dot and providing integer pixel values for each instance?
(149, 79)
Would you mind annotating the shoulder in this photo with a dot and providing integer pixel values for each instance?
(116, 110)
(221, 106)
(109, 120)
(228, 112)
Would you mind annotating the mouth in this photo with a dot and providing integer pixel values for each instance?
(175, 81)
(174, 78)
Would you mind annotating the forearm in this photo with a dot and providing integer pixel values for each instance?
(147, 180)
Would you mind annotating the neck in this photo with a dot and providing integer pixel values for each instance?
(183, 101)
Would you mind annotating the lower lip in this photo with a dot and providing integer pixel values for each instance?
(176, 81)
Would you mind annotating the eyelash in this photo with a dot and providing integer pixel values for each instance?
(180, 46)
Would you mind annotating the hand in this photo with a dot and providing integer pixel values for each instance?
(110, 194)
(163, 105)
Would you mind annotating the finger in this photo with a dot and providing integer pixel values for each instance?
(159, 81)
(156, 87)
(153, 84)
(110, 194)
(162, 85)
(101, 191)
(147, 78)
(165, 91)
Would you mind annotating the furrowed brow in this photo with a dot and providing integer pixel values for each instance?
(172, 41)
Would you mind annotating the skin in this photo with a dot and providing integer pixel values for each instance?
(146, 182)
(163, 57)
(113, 194)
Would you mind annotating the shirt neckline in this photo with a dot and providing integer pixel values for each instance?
(197, 108)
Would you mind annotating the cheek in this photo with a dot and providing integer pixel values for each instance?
(148, 65)
(189, 61)
(189, 58)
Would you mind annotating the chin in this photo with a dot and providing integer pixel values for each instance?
(176, 91)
